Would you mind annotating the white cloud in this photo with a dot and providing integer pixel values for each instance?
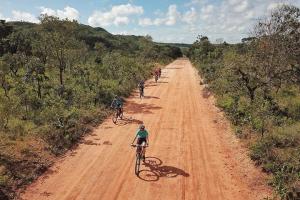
(241, 7)
(121, 20)
(172, 15)
(145, 22)
(195, 2)
(233, 19)
(208, 9)
(190, 16)
(67, 13)
(22, 16)
(274, 5)
(169, 19)
(118, 15)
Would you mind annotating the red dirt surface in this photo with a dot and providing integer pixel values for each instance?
(193, 154)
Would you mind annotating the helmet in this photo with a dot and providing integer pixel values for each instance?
(142, 126)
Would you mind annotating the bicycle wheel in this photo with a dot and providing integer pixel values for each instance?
(141, 93)
(115, 117)
(121, 114)
(137, 163)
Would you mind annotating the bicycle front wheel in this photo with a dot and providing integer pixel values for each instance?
(121, 115)
(137, 164)
(115, 118)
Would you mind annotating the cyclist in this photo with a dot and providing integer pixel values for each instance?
(141, 87)
(117, 104)
(142, 137)
(159, 72)
(156, 75)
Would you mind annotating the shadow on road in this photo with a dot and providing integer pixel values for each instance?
(150, 85)
(90, 142)
(151, 97)
(155, 170)
(128, 120)
(143, 108)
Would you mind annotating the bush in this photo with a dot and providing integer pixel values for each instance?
(279, 153)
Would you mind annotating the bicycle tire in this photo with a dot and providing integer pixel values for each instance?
(115, 118)
(137, 164)
(121, 115)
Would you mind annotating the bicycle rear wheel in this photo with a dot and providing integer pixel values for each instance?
(137, 164)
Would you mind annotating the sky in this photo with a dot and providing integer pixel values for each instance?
(177, 21)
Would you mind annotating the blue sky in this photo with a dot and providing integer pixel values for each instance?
(164, 20)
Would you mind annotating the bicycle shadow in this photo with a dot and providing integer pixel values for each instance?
(151, 97)
(150, 85)
(156, 170)
(144, 108)
(128, 120)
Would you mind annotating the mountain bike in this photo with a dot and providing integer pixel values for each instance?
(117, 114)
(140, 155)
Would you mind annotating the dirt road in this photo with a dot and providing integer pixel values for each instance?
(192, 153)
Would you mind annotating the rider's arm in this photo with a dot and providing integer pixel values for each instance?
(147, 141)
(134, 139)
(112, 104)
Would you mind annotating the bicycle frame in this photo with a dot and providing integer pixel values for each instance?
(118, 114)
(140, 152)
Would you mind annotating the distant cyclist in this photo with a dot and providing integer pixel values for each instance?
(142, 137)
(141, 87)
(156, 75)
(159, 72)
(117, 104)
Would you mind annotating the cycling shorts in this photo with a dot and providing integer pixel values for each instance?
(141, 140)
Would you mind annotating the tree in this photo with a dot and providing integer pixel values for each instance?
(5, 30)
(36, 74)
(61, 41)
(4, 78)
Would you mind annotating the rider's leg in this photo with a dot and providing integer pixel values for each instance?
(139, 149)
(119, 112)
(144, 153)
(144, 149)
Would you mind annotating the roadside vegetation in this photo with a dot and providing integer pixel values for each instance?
(57, 79)
(257, 84)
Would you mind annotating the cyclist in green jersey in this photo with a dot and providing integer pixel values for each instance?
(142, 137)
